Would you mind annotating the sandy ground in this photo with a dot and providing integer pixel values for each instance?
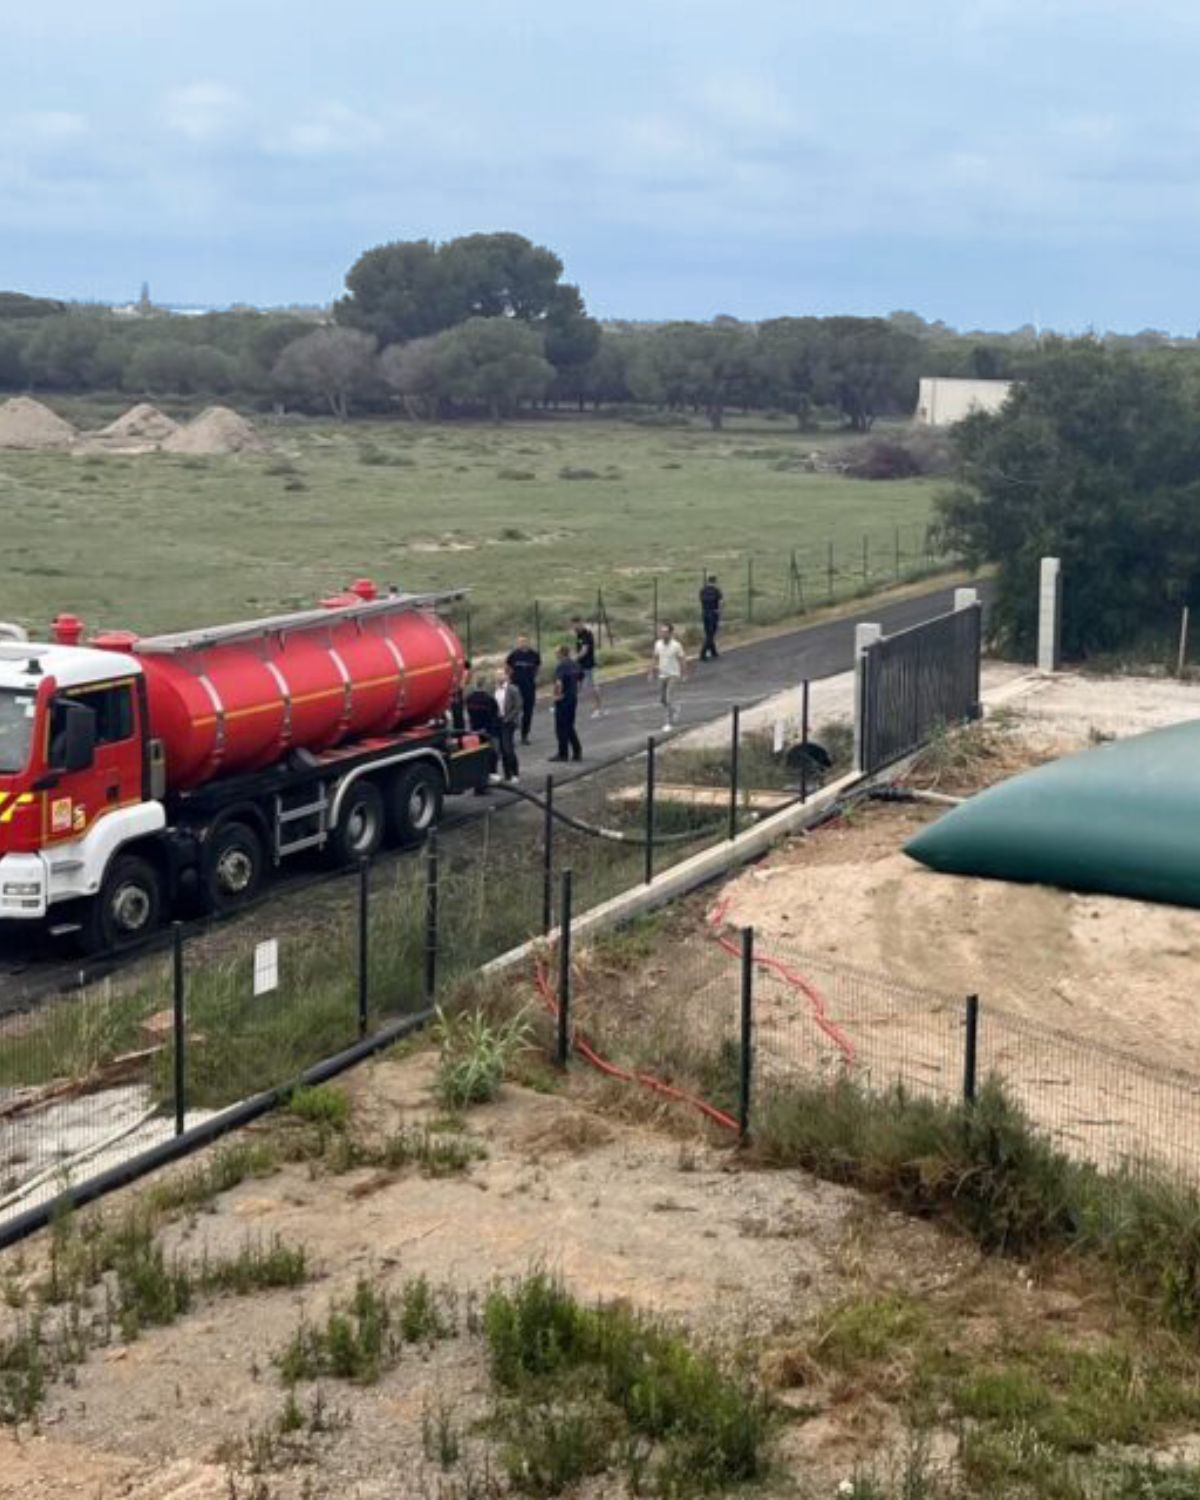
(623, 1212)
(894, 948)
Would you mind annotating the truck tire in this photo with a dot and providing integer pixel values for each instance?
(414, 804)
(234, 867)
(127, 909)
(360, 826)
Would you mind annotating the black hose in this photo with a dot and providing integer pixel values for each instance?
(613, 835)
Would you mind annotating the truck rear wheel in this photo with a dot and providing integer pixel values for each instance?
(414, 804)
(360, 825)
(127, 909)
(234, 867)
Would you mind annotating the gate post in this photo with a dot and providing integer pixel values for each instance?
(865, 636)
(1049, 614)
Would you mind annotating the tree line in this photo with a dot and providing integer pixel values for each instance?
(485, 324)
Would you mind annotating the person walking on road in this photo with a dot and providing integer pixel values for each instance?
(483, 718)
(711, 599)
(566, 704)
(585, 660)
(525, 664)
(670, 668)
(508, 717)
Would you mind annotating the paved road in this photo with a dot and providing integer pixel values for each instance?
(742, 675)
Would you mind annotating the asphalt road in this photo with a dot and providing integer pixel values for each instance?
(741, 675)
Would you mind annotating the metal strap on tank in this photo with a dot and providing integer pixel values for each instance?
(347, 686)
(402, 679)
(285, 693)
(450, 643)
(214, 698)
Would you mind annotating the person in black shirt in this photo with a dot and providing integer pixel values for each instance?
(525, 664)
(585, 660)
(566, 703)
(710, 615)
(483, 717)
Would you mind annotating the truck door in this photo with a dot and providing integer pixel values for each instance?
(114, 778)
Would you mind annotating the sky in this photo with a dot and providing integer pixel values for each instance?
(991, 163)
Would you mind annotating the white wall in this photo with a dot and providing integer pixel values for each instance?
(942, 401)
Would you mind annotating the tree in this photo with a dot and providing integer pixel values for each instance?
(694, 364)
(60, 352)
(334, 365)
(492, 362)
(413, 288)
(411, 370)
(866, 367)
(1095, 459)
(790, 352)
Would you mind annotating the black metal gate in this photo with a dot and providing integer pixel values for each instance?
(917, 680)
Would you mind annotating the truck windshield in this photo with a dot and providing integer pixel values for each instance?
(17, 709)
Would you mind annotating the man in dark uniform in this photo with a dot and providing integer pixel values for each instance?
(483, 718)
(525, 664)
(566, 704)
(710, 615)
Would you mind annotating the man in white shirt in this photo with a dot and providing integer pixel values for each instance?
(670, 668)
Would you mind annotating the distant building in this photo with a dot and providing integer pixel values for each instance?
(943, 401)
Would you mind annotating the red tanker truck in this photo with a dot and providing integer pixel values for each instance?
(141, 776)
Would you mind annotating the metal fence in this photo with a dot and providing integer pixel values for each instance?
(916, 680)
(99, 1078)
(728, 1020)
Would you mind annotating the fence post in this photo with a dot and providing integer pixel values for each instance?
(830, 571)
(804, 686)
(537, 626)
(1049, 614)
(548, 859)
(745, 1057)
(654, 607)
(734, 747)
(563, 1040)
(179, 1027)
(1181, 664)
(897, 553)
(431, 915)
(750, 590)
(865, 636)
(866, 558)
(971, 1048)
(364, 981)
(649, 809)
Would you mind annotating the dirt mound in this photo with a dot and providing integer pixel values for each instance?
(216, 430)
(29, 424)
(142, 423)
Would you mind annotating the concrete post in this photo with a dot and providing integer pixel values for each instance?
(1049, 614)
(965, 599)
(864, 636)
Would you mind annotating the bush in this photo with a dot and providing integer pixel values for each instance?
(475, 1054)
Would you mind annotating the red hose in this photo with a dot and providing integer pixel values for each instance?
(611, 1070)
(797, 982)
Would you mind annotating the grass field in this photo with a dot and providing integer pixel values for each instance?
(548, 510)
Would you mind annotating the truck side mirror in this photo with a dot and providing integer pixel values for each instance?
(73, 740)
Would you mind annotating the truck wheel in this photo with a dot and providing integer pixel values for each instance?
(127, 909)
(359, 831)
(233, 867)
(414, 804)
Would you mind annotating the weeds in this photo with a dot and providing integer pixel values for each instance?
(441, 1440)
(363, 1336)
(635, 1379)
(474, 1055)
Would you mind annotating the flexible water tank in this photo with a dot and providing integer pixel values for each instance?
(225, 709)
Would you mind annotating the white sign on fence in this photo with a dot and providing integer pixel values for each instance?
(266, 966)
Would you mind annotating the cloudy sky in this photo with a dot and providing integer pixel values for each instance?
(990, 162)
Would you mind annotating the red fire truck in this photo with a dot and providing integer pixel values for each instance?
(140, 777)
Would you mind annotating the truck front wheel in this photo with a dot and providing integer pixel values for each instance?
(233, 867)
(127, 909)
(414, 804)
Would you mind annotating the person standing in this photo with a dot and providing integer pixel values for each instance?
(585, 660)
(525, 664)
(508, 717)
(711, 600)
(566, 704)
(483, 718)
(669, 667)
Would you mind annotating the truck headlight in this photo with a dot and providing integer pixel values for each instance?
(22, 888)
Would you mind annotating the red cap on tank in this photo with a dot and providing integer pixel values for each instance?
(68, 630)
(365, 589)
(114, 640)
